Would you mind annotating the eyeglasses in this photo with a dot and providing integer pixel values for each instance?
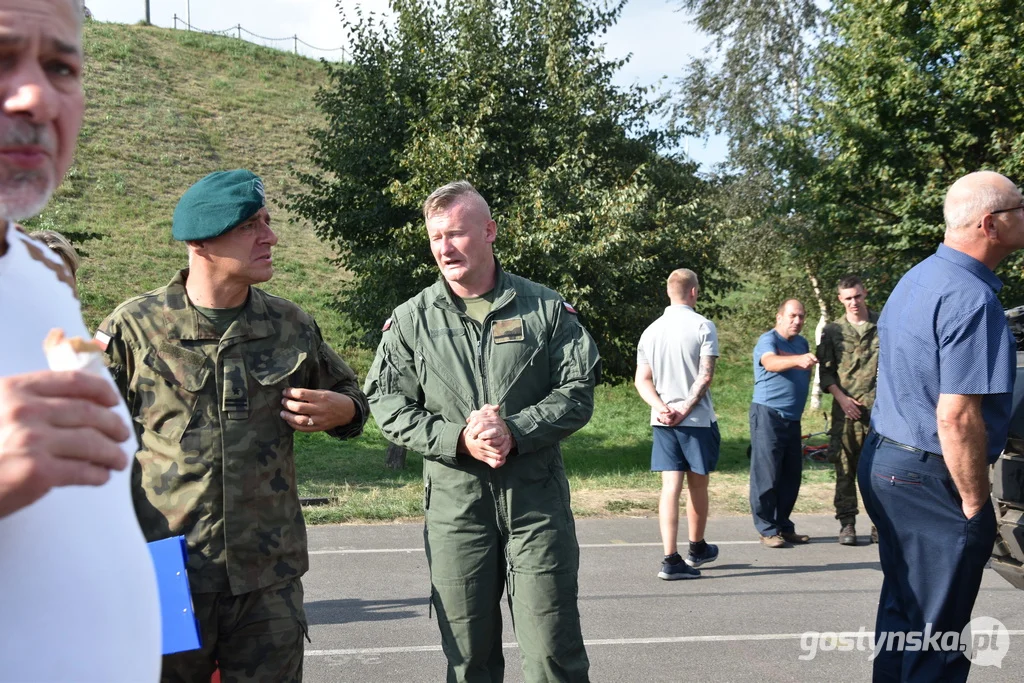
(993, 213)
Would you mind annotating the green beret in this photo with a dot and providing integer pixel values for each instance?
(217, 203)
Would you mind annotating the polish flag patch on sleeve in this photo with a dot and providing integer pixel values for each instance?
(102, 338)
(568, 307)
(387, 325)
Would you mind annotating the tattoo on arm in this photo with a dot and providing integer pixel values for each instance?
(705, 373)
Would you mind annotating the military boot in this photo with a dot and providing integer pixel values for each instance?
(848, 535)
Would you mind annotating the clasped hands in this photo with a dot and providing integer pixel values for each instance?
(671, 415)
(486, 437)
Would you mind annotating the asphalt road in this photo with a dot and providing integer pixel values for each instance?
(743, 620)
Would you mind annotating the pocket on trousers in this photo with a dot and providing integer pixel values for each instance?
(895, 476)
(980, 532)
(979, 517)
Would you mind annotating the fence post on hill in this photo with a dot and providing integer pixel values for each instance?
(395, 459)
(295, 43)
(147, 13)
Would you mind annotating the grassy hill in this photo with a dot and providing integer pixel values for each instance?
(164, 108)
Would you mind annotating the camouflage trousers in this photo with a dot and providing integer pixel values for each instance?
(255, 637)
(847, 439)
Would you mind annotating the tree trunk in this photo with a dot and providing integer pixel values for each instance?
(822, 321)
(395, 459)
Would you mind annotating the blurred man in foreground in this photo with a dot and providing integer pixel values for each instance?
(80, 599)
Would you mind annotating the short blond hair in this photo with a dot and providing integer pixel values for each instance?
(680, 281)
(61, 246)
(441, 199)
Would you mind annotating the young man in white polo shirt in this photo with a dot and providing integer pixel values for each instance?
(675, 365)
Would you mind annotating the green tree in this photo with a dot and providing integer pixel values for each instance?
(515, 96)
(753, 87)
(912, 95)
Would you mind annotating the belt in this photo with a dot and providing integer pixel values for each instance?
(911, 449)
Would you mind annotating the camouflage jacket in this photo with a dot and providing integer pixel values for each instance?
(850, 360)
(216, 460)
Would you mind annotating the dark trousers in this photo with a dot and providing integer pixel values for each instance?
(932, 558)
(776, 465)
(255, 636)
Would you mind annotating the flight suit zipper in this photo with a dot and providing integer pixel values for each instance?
(497, 480)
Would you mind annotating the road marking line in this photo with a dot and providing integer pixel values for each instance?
(583, 546)
(588, 643)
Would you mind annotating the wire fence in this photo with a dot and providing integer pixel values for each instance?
(238, 31)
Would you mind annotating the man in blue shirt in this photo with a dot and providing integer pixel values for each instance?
(941, 416)
(782, 375)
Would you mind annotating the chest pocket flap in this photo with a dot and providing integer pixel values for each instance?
(168, 389)
(275, 366)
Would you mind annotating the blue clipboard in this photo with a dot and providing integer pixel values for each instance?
(178, 617)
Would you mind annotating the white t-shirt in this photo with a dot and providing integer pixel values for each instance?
(673, 346)
(79, 600)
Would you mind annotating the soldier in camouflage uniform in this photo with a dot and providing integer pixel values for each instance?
(219, 376)
(848, 355)
(484, 373)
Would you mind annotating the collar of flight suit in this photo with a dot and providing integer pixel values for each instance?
(184, 322)
(503, 290)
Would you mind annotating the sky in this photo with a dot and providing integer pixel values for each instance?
(660, 39)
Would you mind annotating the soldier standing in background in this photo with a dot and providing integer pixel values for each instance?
(848, 355)
(61, 246)
(219, 376)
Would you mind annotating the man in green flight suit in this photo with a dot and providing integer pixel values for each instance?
(219, 376)
(484, 373)
(848, 355)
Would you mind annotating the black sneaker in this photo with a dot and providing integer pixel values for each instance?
(710, 554)
(679, 570)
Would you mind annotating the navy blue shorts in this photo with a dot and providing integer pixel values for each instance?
(686, 449)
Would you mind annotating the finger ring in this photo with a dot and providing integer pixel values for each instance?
(309, 421)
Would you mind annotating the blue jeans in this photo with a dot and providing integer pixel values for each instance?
(932, 557)
(776, 466)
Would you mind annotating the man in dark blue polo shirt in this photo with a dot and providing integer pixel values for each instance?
(945, 382)
(782, 375)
